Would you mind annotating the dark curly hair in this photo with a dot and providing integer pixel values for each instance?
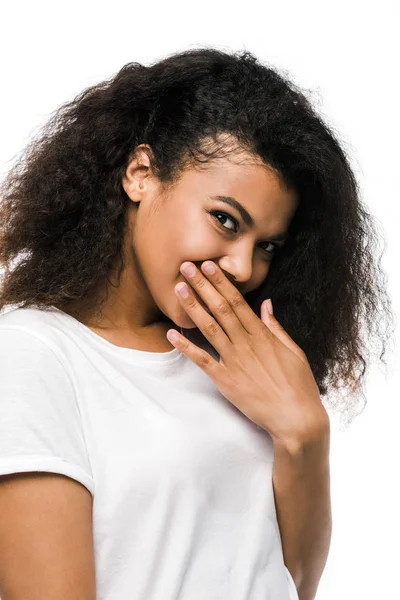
(63, 208)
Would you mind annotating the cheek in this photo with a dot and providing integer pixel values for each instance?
(186, 236)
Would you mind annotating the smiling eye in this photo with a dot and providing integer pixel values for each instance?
(216, 214)
(225, 216)
(274, 247)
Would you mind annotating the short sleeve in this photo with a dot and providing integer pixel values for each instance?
(40, 423)
(292, 587)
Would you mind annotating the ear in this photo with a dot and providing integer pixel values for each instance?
(138, 172)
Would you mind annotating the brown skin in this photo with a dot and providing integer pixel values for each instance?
(167, 229)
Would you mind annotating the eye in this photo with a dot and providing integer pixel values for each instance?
(216, 214)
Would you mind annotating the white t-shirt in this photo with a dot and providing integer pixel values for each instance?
(183, 504)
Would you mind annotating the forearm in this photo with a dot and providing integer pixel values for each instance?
(301, 481)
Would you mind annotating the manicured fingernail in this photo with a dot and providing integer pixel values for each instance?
(172, 336)
(209, 268)
(182, 290)
(188, 269)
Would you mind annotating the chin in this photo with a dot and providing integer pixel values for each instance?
(181, 318)
(184, 321)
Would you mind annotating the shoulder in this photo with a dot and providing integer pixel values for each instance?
(30, 328)
(31, 317)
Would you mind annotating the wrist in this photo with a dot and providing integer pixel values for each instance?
(313, 441)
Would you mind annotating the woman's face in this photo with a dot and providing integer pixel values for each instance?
(192, 224)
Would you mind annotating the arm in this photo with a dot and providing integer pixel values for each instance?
(301, 481)
(46, 546)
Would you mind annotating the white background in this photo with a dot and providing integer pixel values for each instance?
(344, 53)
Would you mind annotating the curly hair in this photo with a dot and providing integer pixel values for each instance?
(63, 209)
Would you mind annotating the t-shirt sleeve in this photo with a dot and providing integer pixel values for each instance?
(293, 593)
(40, 422)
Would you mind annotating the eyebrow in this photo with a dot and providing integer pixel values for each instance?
(247, 218)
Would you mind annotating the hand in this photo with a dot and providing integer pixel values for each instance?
(261, 370)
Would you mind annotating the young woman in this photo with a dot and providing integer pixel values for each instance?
(134, 465)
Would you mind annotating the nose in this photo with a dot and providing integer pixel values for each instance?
(237, 270)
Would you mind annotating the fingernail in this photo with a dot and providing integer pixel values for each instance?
(209, 268)
(182, 290)
(188, 270)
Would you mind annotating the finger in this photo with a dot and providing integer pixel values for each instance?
(200, 357)
(276, 328)
(218, 305)
(209, 327)
(245, 315)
